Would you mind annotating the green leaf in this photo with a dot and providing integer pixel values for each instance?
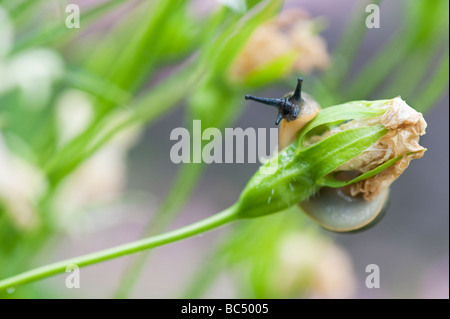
(97, 86)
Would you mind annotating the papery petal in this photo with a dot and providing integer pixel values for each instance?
(405, 126)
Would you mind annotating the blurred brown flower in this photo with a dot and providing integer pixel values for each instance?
(405, 126)
(292, 35)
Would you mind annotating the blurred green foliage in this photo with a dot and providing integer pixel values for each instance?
(159, 53)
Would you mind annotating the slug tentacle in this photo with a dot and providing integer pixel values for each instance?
(289, 107)
(298, 90)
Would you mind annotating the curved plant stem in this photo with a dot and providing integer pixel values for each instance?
(182, 188)
(228, 215)
(180, 192)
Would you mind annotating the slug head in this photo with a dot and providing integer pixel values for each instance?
(289, 107)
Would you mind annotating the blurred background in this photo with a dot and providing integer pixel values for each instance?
(85, 121)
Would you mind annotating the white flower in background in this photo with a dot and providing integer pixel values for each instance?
(98, 181)
(309, 264)
(33, 71)
(21, 185)
(74, 112)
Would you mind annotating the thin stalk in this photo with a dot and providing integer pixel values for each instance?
(180, 192)
(226, 216)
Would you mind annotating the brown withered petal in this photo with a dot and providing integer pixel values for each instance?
(405, 125)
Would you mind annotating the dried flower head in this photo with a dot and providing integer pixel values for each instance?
(405, 126)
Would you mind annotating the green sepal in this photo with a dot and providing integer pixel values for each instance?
(333, 115)
(327, 155)
(288, 185)
(331, 181)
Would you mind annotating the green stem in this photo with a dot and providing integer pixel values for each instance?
(179, 194)
(228, 215)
